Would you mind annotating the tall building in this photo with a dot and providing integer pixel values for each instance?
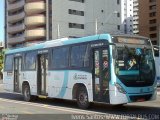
(29, 21)
(25, 21)
(127, 16)
(135, 17)
(149, 19)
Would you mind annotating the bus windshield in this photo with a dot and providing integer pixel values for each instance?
(135, 66)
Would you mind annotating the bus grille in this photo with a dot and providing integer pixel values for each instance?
(140, 98)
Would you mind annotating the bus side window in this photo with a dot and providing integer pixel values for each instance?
(60, 58)
(30, 61)
(79, 56)
(8, 63)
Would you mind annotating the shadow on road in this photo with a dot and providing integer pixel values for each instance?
(95, 107)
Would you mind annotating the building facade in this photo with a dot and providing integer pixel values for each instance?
(135, 17)
(30, 21)
(149, 19)
(25, 22)
(127, 16)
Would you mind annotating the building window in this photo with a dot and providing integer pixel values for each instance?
(153, 28)
(152, 0)
(76, 25)
(82, 1)
(118, 14)
(76, 12)
(118, 2)
(73, 37)
(153, 35)
(118, 27)
(152, 21)
(152, 7)
(152, 14)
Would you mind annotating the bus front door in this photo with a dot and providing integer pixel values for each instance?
(101, 75)
(42, 74)
(17, 73)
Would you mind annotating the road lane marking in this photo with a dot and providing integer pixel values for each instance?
(71, 110)
(26, 112)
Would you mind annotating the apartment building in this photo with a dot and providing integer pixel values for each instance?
(30, 21)
(149, 19)
(127, 16)
(25, 21)
(135, 17)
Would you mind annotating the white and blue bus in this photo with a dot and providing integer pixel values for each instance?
(114, 69)
(157, 64)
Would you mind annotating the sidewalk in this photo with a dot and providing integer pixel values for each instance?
(1, 81)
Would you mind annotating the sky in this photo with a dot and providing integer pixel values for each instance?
(2, 20)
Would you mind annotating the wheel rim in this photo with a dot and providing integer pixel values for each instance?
(83, 98)
(27, 93)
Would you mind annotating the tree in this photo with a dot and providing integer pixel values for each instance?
(1, 60)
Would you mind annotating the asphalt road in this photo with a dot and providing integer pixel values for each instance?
(13, 106)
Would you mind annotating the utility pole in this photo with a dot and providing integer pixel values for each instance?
(96, 26)
(58, 31)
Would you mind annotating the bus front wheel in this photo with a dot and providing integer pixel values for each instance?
(82, 98)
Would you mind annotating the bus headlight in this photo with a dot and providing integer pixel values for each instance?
(120, 88)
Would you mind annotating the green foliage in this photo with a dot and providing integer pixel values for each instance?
(1, 59)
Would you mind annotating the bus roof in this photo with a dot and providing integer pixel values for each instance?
(60, 42)
(126, 35)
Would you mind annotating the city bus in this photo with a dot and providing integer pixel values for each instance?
(104, 68)
(157, 64)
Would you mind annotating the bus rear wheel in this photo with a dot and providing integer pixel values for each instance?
(27, 94)
(82, 98)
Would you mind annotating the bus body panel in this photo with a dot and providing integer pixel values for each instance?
(8, 81)
(31, 78)
(157, 63)
(116, 97)
(61, 83)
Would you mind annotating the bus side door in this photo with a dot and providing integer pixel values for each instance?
(101, 75)
(42, 79)
(17, 74)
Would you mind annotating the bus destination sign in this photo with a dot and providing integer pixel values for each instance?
(130, 40)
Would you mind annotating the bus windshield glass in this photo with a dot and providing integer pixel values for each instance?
(135, 65)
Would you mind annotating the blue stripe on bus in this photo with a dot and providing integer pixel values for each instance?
(34, 47)
(79, 40)
(64, 86)
(129, 72)
(65, 42)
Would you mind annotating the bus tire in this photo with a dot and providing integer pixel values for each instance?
(27, 94)
(82, 98)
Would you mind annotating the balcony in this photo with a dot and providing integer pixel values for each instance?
(35, 33)
(16, 17)
(15, 40)
(15, 6)
(35, 7)
(16, 28)
(35, 20)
